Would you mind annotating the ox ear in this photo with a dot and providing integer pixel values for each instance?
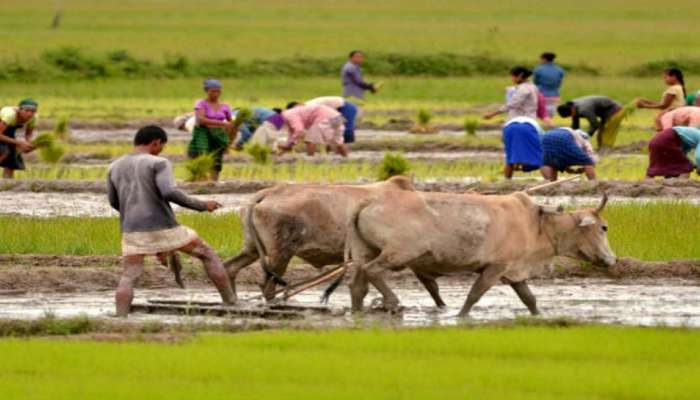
(549, 209)
(587, 221)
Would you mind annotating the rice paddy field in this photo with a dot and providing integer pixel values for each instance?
(629, 331)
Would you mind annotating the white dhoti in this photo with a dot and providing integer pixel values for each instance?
(162, 241)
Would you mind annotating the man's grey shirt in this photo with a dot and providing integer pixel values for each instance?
(141, 187)
(353, 84)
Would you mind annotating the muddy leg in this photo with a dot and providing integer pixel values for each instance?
(358, 290)
(278, 266)
(213, 267)
(486, 280)
(132, 268)
(432, 287)
(523, 291)
(373, 271)
(8, 173)
(235, 264)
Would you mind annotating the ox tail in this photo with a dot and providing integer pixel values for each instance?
(352, 236)
(260, 246)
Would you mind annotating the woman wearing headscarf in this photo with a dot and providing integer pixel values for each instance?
(521, 130)
(213, 128)
(13, 119)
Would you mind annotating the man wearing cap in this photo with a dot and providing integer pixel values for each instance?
(11, 148)
(141, 187)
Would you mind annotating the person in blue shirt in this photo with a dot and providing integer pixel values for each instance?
(351, 76)
(668, 152)
(548, 79)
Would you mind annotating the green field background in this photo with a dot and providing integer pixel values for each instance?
(610, 34)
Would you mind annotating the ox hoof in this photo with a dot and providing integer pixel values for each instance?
(381, 304)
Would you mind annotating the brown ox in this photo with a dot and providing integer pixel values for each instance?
(503, 238)
(307, 221)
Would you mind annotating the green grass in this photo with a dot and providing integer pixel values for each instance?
(629, 168)
(610, 34)
(457, 363)
(675, 224)
(120, 99)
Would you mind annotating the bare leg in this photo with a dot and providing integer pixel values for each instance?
(215, 175)
(486, 280)
(8, 173)
(213, 267)
(432, 287)
(342, 150)
(589, 170)
(310, 149)
(132, 268)
(684, 176)
(523, 291)
(549, 173)
(508, 171)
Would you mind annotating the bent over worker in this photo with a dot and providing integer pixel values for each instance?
(141, 187)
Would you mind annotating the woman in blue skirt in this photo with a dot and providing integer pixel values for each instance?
(521, 139)
(564, 149)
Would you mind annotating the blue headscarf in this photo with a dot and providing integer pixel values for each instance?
(212, 84)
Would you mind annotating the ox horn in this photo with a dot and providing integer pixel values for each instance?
(602, 204)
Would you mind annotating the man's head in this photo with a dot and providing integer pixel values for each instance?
(520, 74)
(151, 139)
(357, 57)
(27, 109)
(566, 110)
(547, 57)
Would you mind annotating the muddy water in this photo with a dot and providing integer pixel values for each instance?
(668, 303)
(38, 204)
(126, 135)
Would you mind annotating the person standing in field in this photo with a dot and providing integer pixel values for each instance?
(316, 125)
(548, 79)
(213, 130)
(602, 113)
(567, 150)
(672, 98)
(13, 119)
(521, 130)
(351, 77)
(668, 152)
(346, 108)
(141, 187)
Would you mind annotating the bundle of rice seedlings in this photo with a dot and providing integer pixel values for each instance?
(260, 154)
(471, 124)
(243, 115)
(61, 129)
(51, 154)
(629, 109)
(44, 140)
(393, 164)
(423, 125)
(198, 169)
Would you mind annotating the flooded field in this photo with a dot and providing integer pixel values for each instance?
(671, 302)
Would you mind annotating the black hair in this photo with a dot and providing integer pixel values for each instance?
(149, 134)
(678, 74)
(520, 71)
(352, 53)
(565, 110)
(292, 104)
(549, 56)
(277, 110)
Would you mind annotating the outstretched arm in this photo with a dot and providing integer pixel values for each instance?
(166, 185)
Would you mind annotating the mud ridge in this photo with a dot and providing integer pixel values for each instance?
(668, 188)
(76, 274)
